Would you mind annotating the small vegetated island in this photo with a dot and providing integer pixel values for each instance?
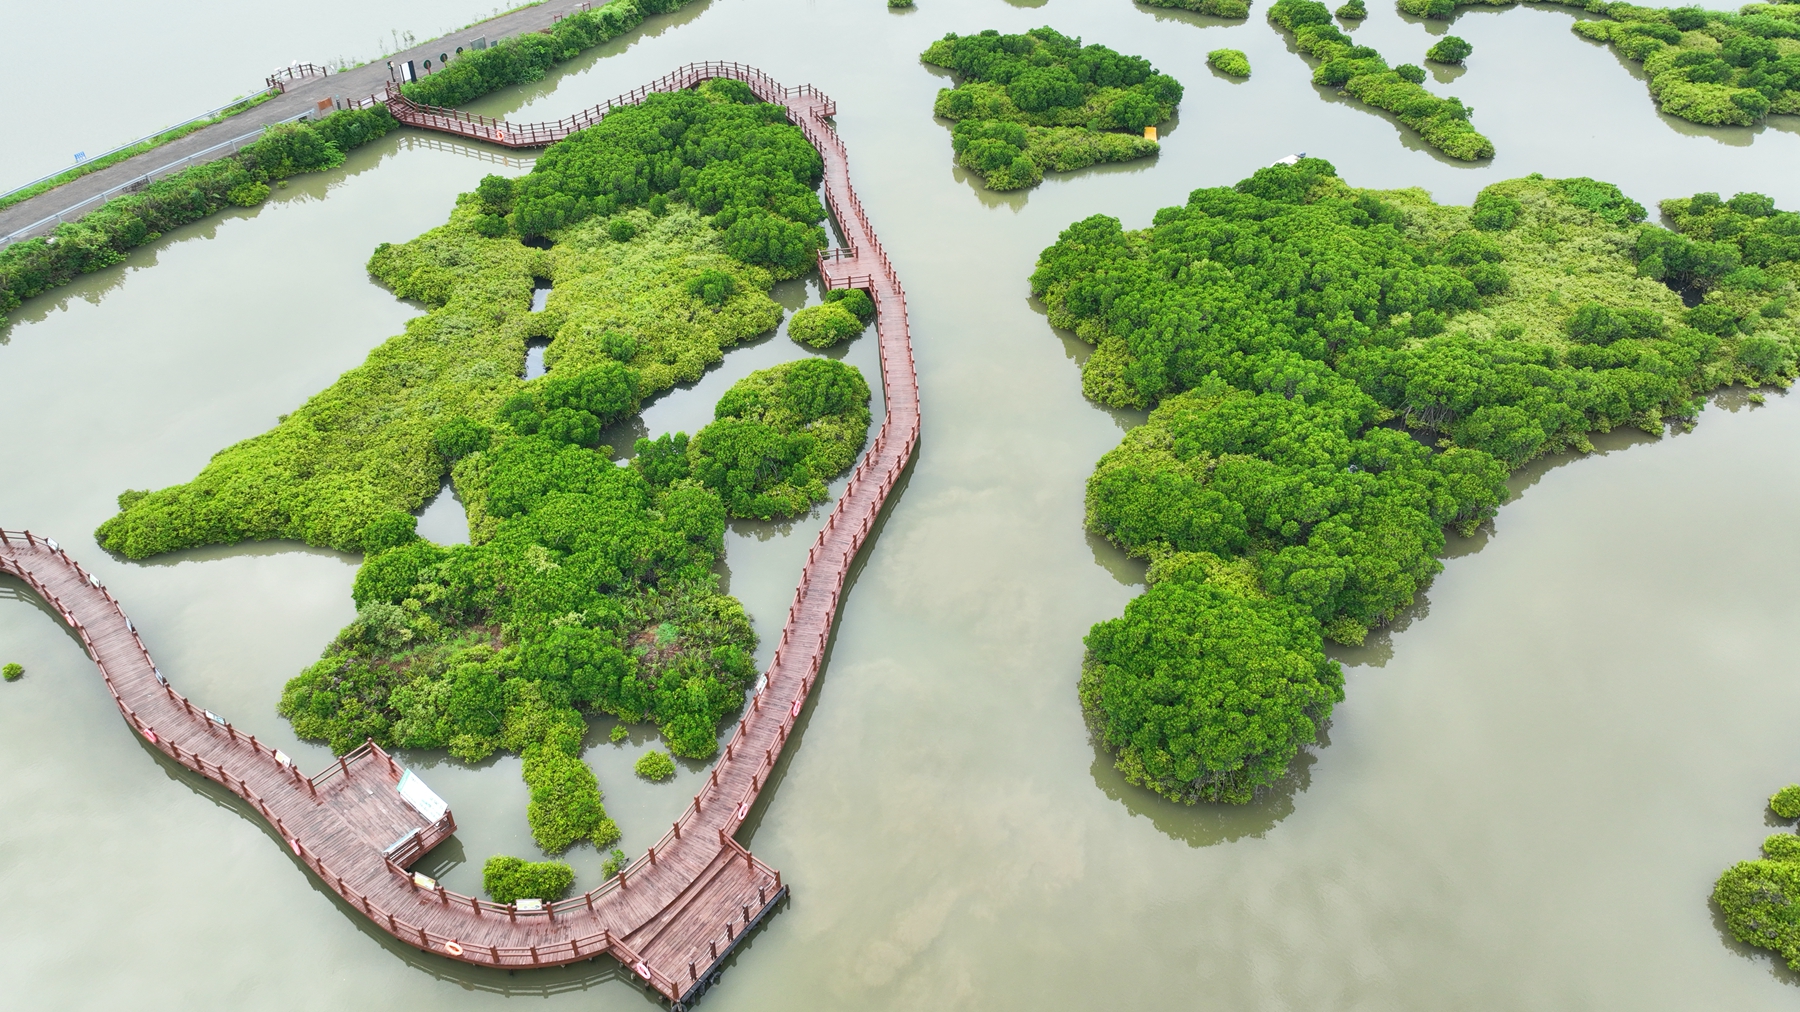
(1041, 101)
(587, 587)
(1338, 375)
(1215, 8)
(1711, 67)
(1362, 74)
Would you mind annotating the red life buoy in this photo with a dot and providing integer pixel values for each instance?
(453, 948)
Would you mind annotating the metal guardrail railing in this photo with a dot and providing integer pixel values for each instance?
(209, 114)
(144, 180)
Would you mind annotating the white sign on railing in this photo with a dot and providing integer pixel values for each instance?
(421, 797)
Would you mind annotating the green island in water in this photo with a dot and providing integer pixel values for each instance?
(1043, 101)
(588, 587)
(1338, 375)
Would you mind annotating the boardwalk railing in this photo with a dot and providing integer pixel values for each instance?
(537, 135)
(674, 915)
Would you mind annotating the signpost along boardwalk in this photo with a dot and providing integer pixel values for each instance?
(675, 914)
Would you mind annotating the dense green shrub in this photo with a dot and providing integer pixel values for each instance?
(506, 879)
(1229, 61)
(740, 162)
(102, 237)
(1761, 903)
(654, 765)
(1711, 67)
(778, 434)
(13, 671)
(1216, 8)
(1205, 693)
(1041, 101)
(824, 325)
(1449, 49)
(1287, 330)
(1345, 521)
(1761, 899)
(1363, 74)
(855, 300)
(526, 57)
(1353, 10)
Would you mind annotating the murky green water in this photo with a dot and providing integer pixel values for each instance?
(1525, 798)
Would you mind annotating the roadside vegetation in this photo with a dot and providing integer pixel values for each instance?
(521, 59)
(1361, 73)
(110, 159)
(1340, 375)
(103, 236)
(1705, 66)
(1039, 102)
(587, 588)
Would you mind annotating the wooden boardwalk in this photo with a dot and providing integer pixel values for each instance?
(675, 914)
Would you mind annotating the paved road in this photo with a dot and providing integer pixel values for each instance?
(302, 96)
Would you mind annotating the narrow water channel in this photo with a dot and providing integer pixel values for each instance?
(1525, 798)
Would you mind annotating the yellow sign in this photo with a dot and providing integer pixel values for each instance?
(1149, 133)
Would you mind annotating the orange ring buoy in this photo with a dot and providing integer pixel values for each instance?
(453, 948)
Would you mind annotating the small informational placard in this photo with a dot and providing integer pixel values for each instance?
(529, 904)
(421, 797)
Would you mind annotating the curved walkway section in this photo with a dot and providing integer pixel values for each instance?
(676, 913)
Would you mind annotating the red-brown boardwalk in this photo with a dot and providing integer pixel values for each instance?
(673, 915)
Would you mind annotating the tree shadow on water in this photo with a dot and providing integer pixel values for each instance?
(1777, 968)
(1205, 824)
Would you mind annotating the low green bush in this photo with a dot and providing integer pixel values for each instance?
(1042, 101)
(1761, 904)
(507, 879)
(1786, 802)
(1229, 61)
(1782, 847)
(615, 862)
(824, 326)
(740, 162)
(654, 765)
(13, 671)
(1363, 74)
(855, 300)
(1449, 49)
(899, 3)
(104, 235)
(618, 734)
(777, 435)
(1354, 10)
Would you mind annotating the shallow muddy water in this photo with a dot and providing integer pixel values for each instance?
(1525, 798)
